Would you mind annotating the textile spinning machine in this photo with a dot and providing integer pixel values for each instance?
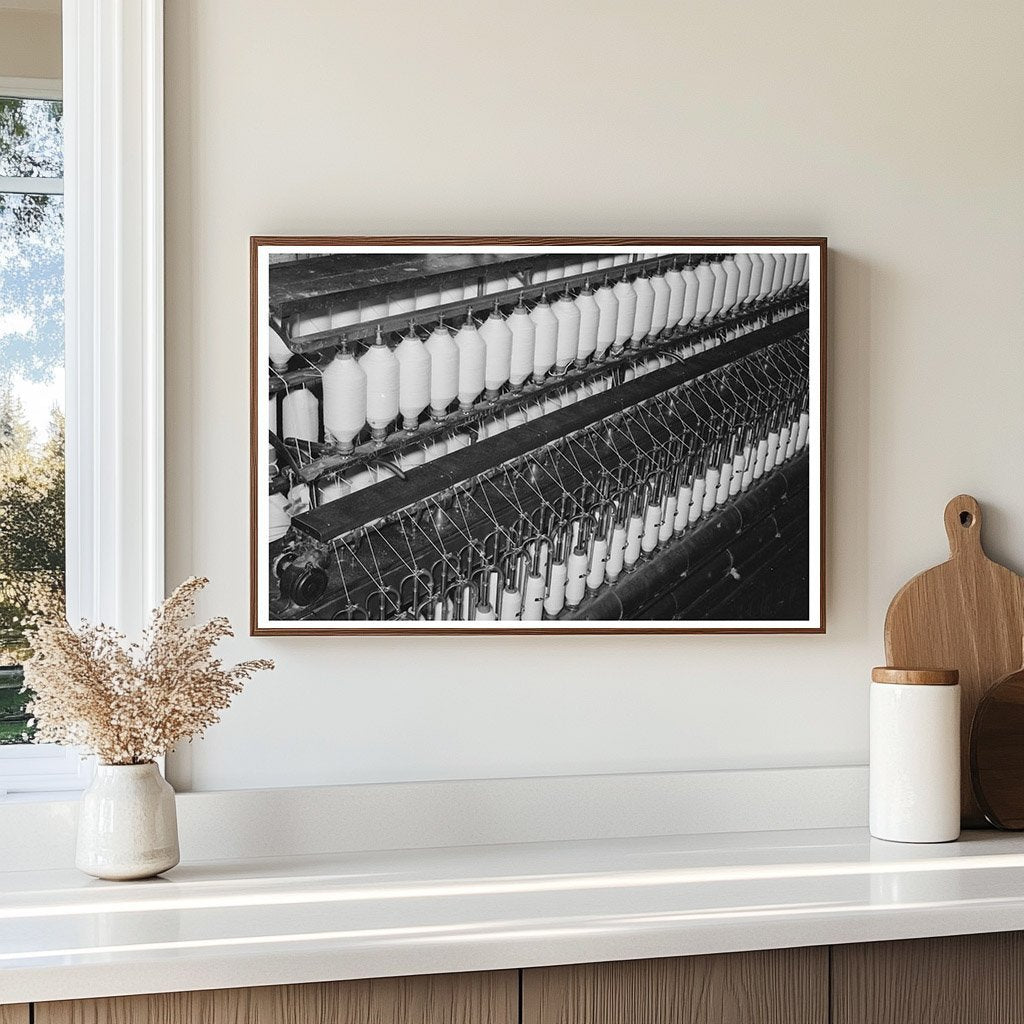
(524, 436)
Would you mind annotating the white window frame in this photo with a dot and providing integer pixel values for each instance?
(113, 187)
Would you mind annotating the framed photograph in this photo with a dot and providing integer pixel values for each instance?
(537, 435)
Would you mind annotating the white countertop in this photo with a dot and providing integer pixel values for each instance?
(351, 915)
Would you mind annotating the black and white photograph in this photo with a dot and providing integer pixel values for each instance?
(534, 435)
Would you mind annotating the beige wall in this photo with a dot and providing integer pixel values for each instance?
(29, 44)
(894, 129)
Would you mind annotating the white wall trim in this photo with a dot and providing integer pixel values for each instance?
(31, 88)
(113, 90)
(246, 824)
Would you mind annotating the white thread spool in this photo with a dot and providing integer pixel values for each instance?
(745, 266)
(413, 379)
(794, 433)
(608, 315)
(382, 373)
(739, 463)
(576, 577)
(554, 600)
(662, 298)
(533, 598)
(691, 284)
(470, 290)
(555, 272)
(567, 341)
(732, 283)
(598, 559)
(278, 520)
(621, 259)
(524, 336)
(711, 478)
(344, 399)
(573, 268)
(780, 273)
(802, 430)
(498, 360)
(800, 273)
(767, 275)
(625, 295)
(705, 290)
(589, 266)
(590, 319)
(718, 295)
(783, 449)
(304, 325)
(634, 535)
(493, 285)
(652, 527)
(697, 493)
(616, 553)
(760, 456)
(472, 361)
(682, 517)
(444, 370)
(272, 423)
(300, 415)
(771, 454)
(606, 262)
(279, 351)
(756, 272)
(545, 338)
(677, 297)
(914, 774)
(398, 304)
(724, 482)
(668, 517)
(789, 271)
(644, 308)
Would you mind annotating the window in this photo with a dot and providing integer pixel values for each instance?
(32, 533)
(112, 214)
(31, 382)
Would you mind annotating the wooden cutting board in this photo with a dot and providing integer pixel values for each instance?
(967, 614)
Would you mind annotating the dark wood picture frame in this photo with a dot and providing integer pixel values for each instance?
(628, 627)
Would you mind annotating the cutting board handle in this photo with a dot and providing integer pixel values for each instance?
(963, 527)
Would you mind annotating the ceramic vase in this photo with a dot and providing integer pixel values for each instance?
(127, 825)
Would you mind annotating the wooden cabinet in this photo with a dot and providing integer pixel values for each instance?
(962, 979)
(491, 998)
(778, 986)
(968, 979)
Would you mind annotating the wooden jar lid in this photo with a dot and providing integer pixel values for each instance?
(916, 676)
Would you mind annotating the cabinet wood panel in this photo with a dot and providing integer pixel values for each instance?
(962, 979)
(778, 986)
(14, 1014)
(481, 998)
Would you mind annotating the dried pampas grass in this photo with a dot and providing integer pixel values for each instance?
(128, 704)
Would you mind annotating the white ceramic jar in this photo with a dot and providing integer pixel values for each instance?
(127, 823)
(915, 755)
